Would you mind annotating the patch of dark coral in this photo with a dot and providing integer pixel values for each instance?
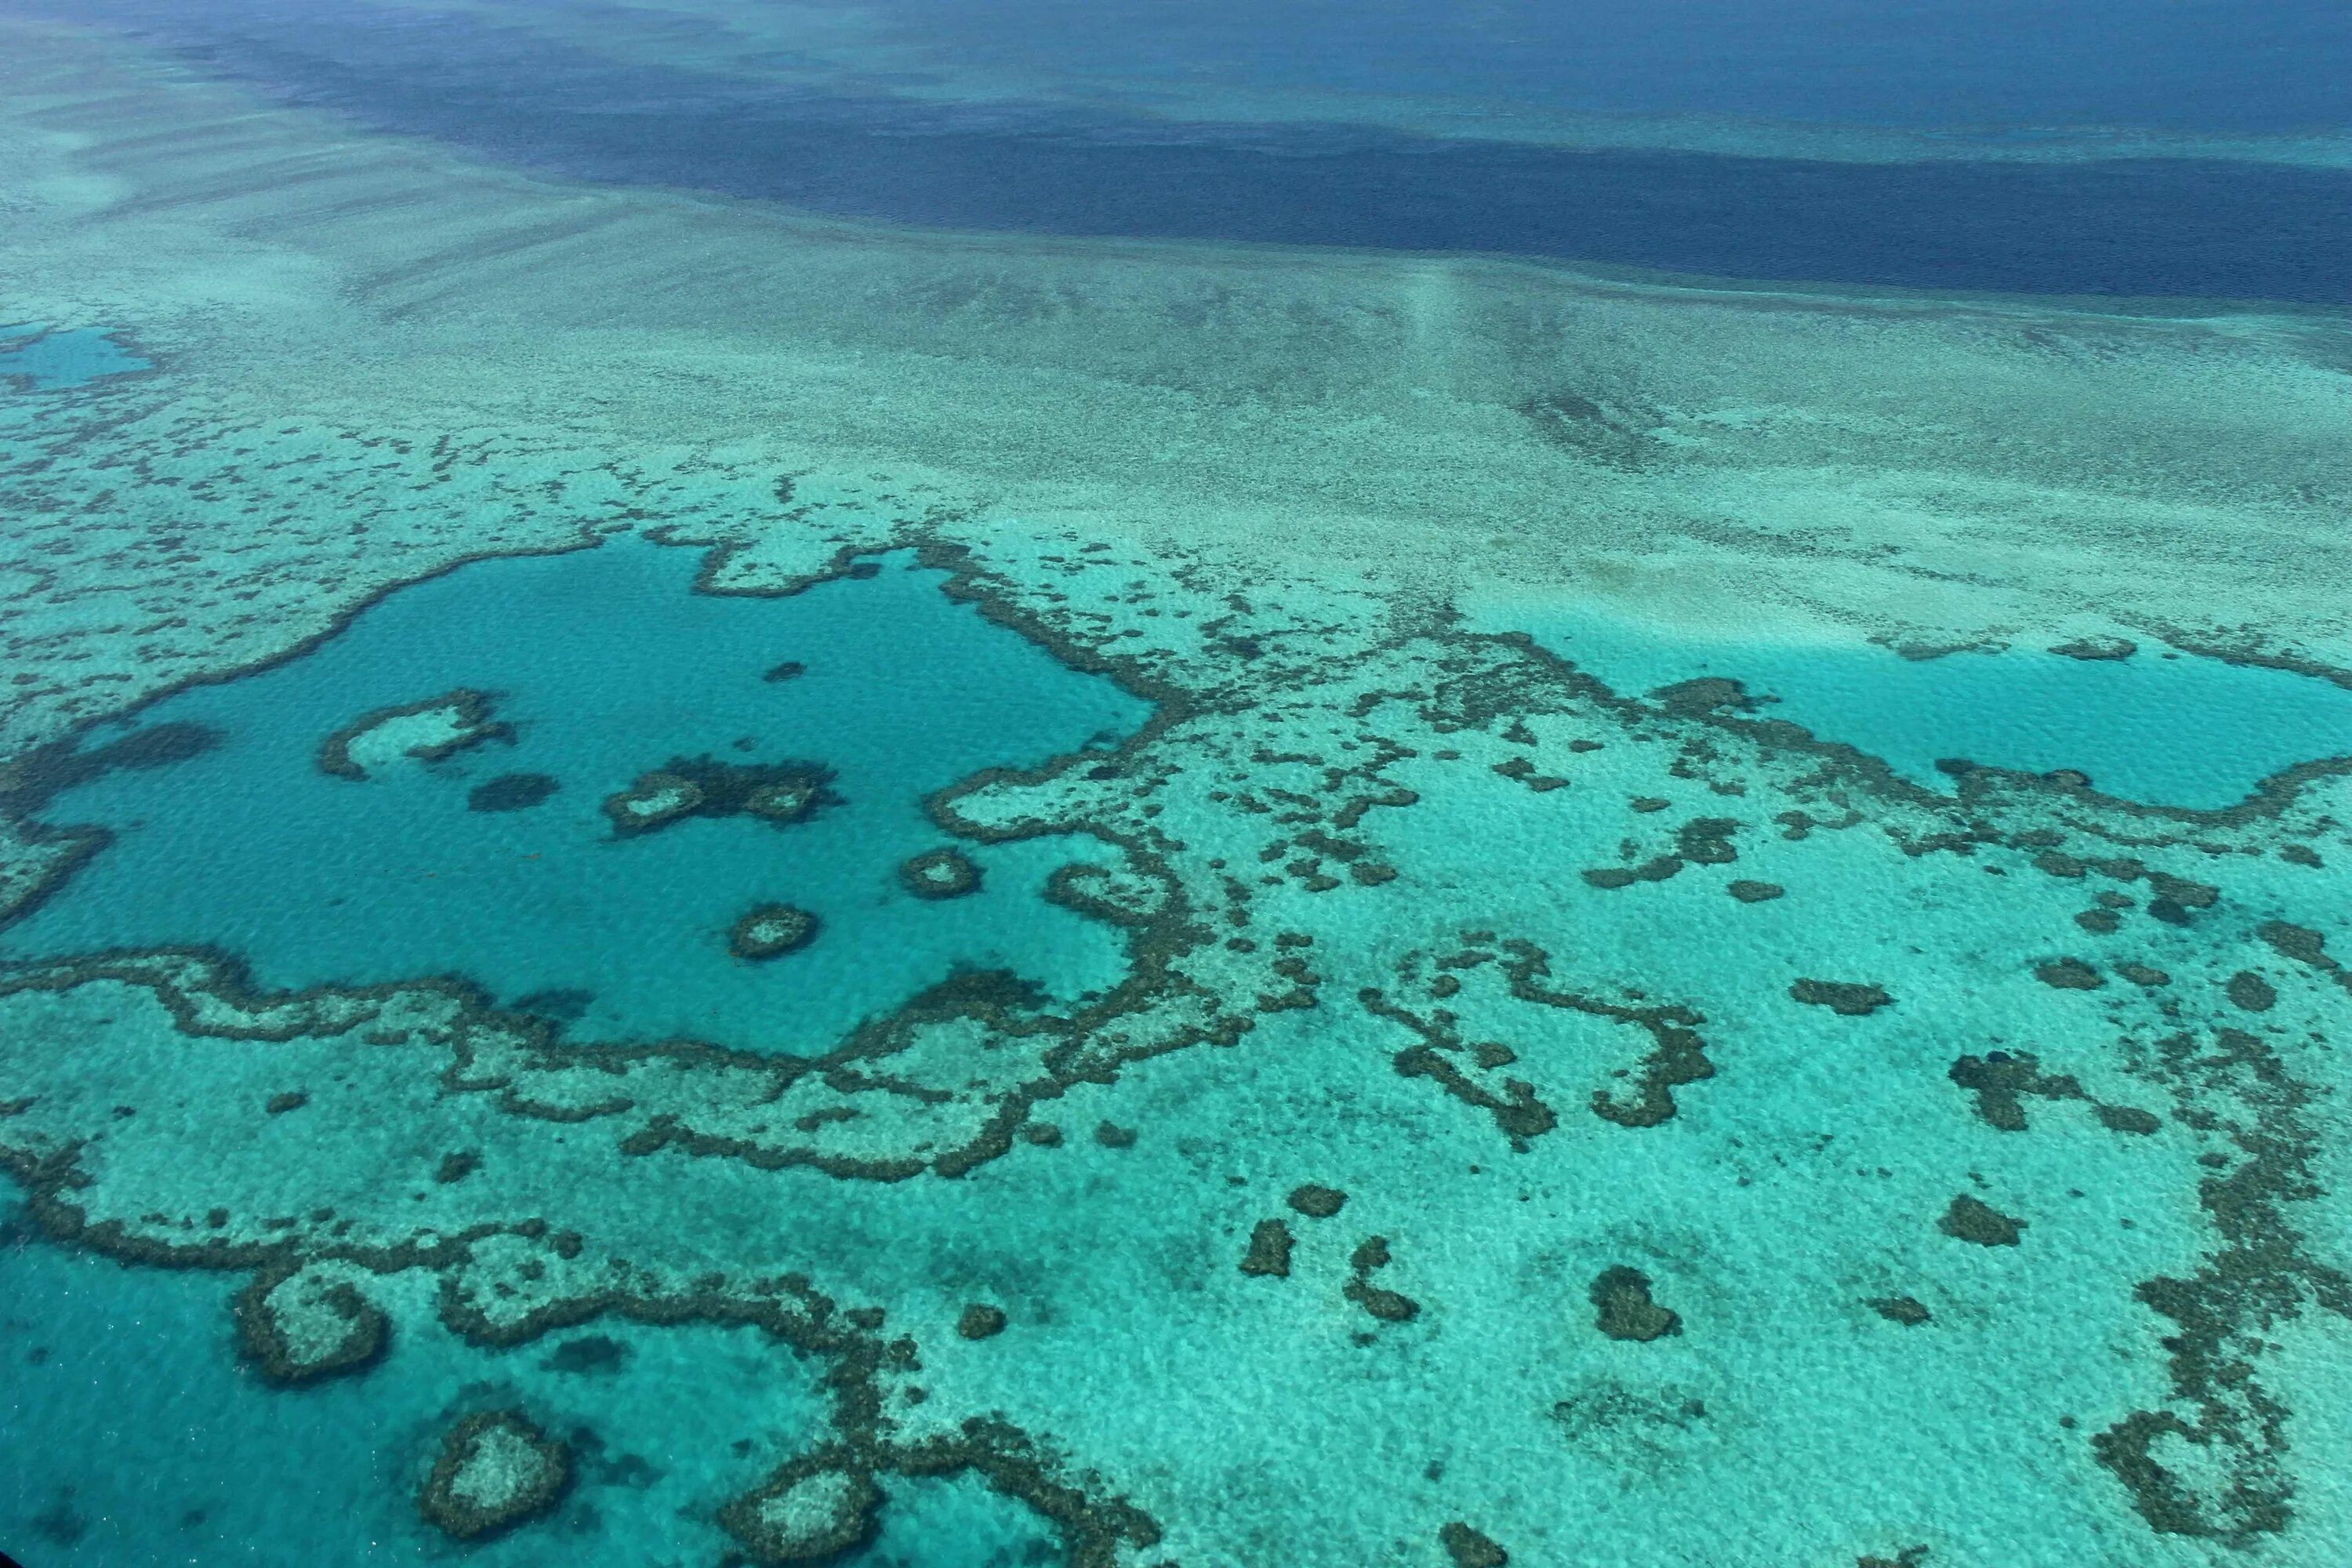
(1610, 877)
(1470, 1548)
(1707, 841)
(590, 1355)
(1905, 1310)
(2068, 974)
(2097, 648)
(1909, 1557)
(1370, 1255)
(1269, 1250)
(512, 791)
(28, 783)
(1517, 1112)
(2251, 992)
(2002, 1080)
(981, 1320)
(1848, 999)
(1622, 1308)
(1748, 892)
(1968, 1219)
(1316, 1202)
(2257, 1276)
(1677, 1053)
(1073, 886)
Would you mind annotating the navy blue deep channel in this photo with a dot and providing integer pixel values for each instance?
(2197, 227)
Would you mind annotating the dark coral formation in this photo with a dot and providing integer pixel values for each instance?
(1749, 892)
(2252, 993)
(2068, 974)
(1269, 1250)
(1905, 1310)
(1622, 1309)
(771, 930)
(2002, 1080)
(590, 1355)
(2097, 648)
(1469, 1547)
(778, 792)
(2239, 1088)
(1316, 1202)
(981, 1320)
(28, 783)
(1388, 1306)
(1848, 999)
(512, 791)
(1677, 1055)
(942, 873)
(496, 1469)
(1967, 1220)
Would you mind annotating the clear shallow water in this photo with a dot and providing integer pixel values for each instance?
(192, 1460)
(48, 362)
(607, 665)
(2161, 727)
(1542, 1134)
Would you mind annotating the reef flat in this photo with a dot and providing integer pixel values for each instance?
(1399, 1091)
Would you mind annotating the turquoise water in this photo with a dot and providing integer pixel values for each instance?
(160, 1448)
(606, 666)
(665, 1424)
(2159, 727)
(51, 361)
(1221, 1061)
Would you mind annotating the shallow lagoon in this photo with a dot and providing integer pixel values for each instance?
(2159, 727)
(606, 665)
(54, 361)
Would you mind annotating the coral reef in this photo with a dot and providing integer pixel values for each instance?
(778, 792)
(771, 930)
(495, 1470)
(300, 1324)
(944, 873)
(1622, 1309)
(430, 730)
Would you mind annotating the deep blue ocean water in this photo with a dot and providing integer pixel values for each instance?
(2197, 65)
(2239, 228)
